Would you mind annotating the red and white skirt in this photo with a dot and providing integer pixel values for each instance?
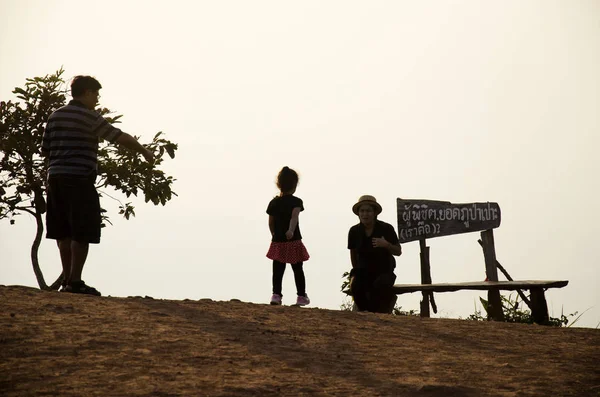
(288, 252)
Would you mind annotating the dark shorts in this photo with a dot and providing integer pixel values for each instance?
(73, 209)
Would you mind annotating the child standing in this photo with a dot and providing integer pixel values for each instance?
(286, 243)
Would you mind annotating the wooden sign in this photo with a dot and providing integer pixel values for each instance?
(422, 219)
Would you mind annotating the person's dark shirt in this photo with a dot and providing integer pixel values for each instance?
(281, 209)
(376, 259)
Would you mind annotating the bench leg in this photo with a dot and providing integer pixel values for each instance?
(424, 305)
(495, 311)
(425, 278)
(539, 308)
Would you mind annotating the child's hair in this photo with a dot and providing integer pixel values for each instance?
(287, 179)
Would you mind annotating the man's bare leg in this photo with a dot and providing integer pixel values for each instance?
(64, 247)
(79, 253)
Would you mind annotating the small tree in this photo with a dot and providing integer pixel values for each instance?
(23, 170)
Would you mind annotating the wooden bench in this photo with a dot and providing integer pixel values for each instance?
(539, 308)
(419, 220)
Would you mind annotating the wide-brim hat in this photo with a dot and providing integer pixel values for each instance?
(366, 199)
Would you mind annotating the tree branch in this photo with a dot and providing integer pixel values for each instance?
(26, 210)
(114, 198)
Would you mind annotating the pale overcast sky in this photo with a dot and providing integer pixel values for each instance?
(461, 101)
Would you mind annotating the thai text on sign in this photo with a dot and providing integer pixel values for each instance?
(421, 219)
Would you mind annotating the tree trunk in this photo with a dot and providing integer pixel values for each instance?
(34, 251)
(58, 282)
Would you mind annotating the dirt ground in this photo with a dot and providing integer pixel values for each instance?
(59, 344)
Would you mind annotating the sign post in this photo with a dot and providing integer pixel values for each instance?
(423, 219)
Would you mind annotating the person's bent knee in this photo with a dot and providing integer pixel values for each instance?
(385, 281)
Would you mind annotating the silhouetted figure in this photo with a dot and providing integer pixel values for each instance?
(373, 245)
(286, 243)
(70, 144)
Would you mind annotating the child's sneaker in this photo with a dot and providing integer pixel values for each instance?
(302, 301)
(276, 299)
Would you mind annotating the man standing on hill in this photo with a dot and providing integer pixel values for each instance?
(70, 144)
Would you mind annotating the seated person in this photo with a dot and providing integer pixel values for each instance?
(373, 245)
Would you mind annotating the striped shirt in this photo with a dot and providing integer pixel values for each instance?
(71, 139)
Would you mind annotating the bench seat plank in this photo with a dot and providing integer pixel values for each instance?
(479, 285)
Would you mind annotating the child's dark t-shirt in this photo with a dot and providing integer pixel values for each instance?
(281, 209)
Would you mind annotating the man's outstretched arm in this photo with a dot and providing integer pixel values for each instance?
(130, 142)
